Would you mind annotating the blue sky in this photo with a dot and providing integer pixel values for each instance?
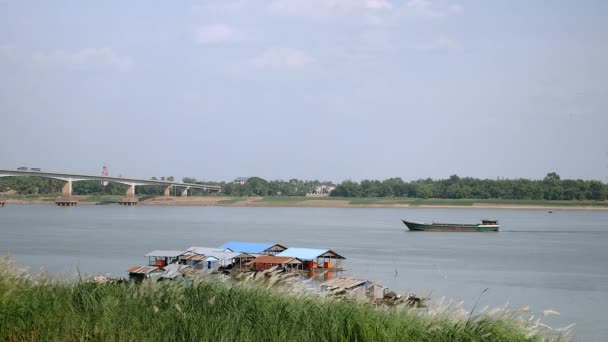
(313, 89)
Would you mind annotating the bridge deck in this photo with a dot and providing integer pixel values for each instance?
(122, 180)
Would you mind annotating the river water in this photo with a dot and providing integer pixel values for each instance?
(544, 260)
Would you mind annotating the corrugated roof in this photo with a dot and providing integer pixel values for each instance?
(223, 255)
(165, 253)
(307, 253)
(207, 250)
(173, 271)
(248, 247)
(142, 269)
(344, 283)
(194, 256)
(271, 259)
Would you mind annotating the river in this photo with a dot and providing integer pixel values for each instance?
(544, 260)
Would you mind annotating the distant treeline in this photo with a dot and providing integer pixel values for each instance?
(552, 187)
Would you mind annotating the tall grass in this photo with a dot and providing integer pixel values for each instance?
(35, 308)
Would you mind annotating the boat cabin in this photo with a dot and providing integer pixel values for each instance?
(489, 222)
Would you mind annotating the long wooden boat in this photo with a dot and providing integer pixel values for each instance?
(484, 226)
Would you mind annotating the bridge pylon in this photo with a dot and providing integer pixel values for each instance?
(66, 199)
(130, 198)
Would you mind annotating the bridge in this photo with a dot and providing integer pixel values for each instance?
(66, 198)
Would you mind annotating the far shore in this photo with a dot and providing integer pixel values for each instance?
(322, 202)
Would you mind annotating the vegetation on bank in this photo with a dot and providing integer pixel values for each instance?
(550, 188)
(33, 308)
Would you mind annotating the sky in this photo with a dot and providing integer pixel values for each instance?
(308, 89)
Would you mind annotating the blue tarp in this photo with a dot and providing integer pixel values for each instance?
(248, 247)
(304, 254)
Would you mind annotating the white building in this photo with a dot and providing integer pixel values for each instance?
(241, 180)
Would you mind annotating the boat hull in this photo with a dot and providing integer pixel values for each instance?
(450, 227)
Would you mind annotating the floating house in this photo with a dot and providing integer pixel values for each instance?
(162, 257)
(173, 272)
(254, 247)
(226, 257)
(314, 258)
(265, 262)
(199, 261)
(357, 288)
(139, 273)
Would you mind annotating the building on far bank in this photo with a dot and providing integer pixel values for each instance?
(241, 180)
(324, 189)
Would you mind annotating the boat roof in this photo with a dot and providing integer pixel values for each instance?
(345, 283)
(143, 269)
(249, 247)
(309, 253)
(272, 259)
(165, 253)
(208, 250)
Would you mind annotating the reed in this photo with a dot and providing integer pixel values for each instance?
(37, 308)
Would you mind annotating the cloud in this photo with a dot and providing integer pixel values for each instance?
(441, 43)
(426, 8)
(283, 57)
(217, 33)
(325, 7)
(8, 53)
(85, 58)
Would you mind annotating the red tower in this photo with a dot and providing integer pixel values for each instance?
(104, 173)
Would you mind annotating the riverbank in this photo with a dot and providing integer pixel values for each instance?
(38, 309)
(325, 202)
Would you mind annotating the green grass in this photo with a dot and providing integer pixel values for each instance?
(292, 199)
(380, 200)
(543, 202)
(37, 309)
(440, 201)
(44, 197)
(468, 202)
(103, 198)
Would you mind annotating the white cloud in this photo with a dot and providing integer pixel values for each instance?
(426, 8)
(282, 57)
(8, 53)
(441, 43)
(325, 7)
(217, 33)
(88, 57)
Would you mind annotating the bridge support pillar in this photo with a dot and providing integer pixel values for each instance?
(185, 192)
(167, 191)
(129, 198)
(66, 199)
(66, 190)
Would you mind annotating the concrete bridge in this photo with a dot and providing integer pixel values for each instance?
(66, 198)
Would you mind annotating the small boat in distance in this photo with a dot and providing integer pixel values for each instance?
(484, 226)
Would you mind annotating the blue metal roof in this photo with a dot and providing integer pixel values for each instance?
(248, 247)
(303, 253)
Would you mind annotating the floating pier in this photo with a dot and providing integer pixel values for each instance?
(66, 202)
(129, 201)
